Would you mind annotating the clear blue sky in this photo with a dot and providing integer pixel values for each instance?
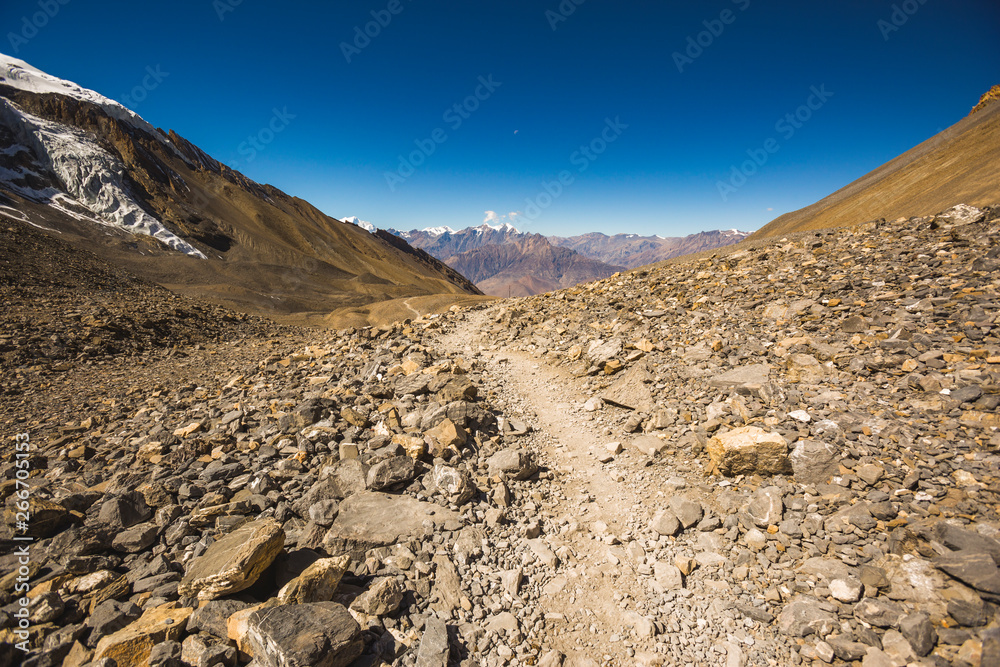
(220, 80)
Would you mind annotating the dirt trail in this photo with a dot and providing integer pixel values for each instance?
(589, 599)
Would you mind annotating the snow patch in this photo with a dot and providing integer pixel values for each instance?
(438, 231)
(92, 177)
(363, 224)
(19, 74)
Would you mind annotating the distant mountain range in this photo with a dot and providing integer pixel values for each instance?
(502, 260)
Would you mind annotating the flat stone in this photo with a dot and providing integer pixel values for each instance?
(961, 539)
(744, 376)
(132, 644)
(211, 616)
(805, 616)
(846, 590)
(976, 569)
(766, 507)
(878, 612)
(320, 634)
(649, 445)
(233, 562)
(687, 511)
(370, 519)
(631, 390)
(668, 576)
(814, 462)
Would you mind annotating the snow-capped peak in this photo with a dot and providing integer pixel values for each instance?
(19, 74)
(505, 226)
(367, 226)
(438, 231)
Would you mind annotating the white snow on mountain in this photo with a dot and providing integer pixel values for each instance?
(19, 74)
(506, 226)
(92, 177)
(438, 231)
(363, 224)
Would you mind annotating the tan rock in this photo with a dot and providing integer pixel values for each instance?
(235, 561)
(130, 646)
(317, 583)
(447, 435)
(749, 450)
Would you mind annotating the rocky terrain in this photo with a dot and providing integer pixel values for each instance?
(784, 453)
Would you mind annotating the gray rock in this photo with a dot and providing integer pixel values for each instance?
(687, 511)
(976, 569)
(124, 511)
(878, 612)
(454, 484)
(370, 519)
(137, 538)
(433, 650)
(744, 376)
(109, 617)
(766, 508)
(390, 472)
(806, 616)
(957, 538)
(665, 523)
(631, 390)
(814, 462)
(383, 597)
(517, 463)
(319, 634)
(847, 650)
(166, 654)
(919, 631)
(211, 616)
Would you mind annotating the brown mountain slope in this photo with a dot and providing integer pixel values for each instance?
(266, 251)
(958, 165)
(528, 266)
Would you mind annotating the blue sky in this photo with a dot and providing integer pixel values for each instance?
(579, 115)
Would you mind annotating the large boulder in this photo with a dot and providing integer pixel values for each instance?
(749, 450)
(321, 634)
(234, 562)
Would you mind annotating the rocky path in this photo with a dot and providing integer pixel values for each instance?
(584, 491)
(610, 596)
